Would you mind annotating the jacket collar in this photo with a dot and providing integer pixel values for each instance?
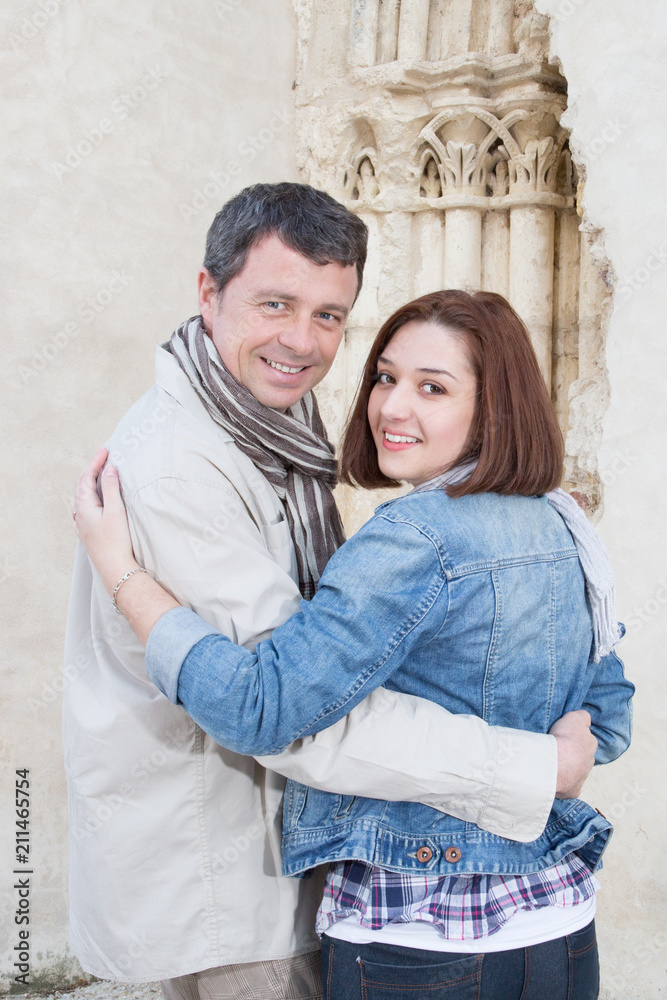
(170, 377)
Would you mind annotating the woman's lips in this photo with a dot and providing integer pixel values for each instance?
(398, 444)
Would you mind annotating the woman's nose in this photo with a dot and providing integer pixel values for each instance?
(396, 405)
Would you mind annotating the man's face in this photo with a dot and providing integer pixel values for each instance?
(282, 310)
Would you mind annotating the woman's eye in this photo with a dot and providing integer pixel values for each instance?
(382, 378)
(432, 389)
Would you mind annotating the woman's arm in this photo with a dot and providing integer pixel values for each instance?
(381, 597)
(373, 606)
(609, 703)
(506, 775)
(103, 529)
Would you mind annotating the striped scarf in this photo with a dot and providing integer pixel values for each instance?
(593, 556)
(291, 449)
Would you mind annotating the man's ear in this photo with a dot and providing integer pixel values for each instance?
(208, 298)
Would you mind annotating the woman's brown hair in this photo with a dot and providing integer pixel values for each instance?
(514, 436)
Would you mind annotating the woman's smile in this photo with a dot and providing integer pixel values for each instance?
(396, 441)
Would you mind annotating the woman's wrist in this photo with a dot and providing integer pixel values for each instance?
(123, 580)
(143, 601)
(115, 571)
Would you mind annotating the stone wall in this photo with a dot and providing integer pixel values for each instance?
(439, 123)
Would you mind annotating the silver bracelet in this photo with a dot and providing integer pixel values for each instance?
(120, 583)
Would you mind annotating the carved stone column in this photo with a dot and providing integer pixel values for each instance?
(388, 20)
(501, 20)
(565, 354)
(531, 275)
(444, 134)
(363, 32)
(457, 23)
(428, 242)
(532, 224)
(463, 248)
(413, 29)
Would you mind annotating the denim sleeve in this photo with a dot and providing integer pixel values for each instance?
(170, 640)
(382, 594)
(609, 702)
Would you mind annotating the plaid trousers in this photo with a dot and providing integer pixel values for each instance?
(296, 978)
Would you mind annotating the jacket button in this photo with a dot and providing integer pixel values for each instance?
(452, 854)
(424, 854)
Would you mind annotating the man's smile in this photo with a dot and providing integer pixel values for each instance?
(284, 368)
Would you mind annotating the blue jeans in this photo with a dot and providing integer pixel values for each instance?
(564, 969)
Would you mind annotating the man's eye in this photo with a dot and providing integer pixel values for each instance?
(327, 316)
(274, 305)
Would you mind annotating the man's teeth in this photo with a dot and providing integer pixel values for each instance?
(284, 368)
(400, 439)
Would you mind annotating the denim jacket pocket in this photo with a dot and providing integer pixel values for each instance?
(294, 801)
(343, 806)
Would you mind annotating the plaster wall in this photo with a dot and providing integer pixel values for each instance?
(125, 127)
(613, 55)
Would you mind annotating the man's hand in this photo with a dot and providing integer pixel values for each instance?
(576, 752)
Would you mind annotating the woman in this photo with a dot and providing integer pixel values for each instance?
(470, 591)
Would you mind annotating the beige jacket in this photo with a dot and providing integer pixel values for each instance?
(175, 841)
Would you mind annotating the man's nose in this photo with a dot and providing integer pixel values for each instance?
(298, 336)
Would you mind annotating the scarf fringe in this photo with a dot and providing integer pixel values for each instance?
(606, 630)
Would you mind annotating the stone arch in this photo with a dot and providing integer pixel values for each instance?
(360, 181)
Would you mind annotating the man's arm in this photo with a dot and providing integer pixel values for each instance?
(399, 747)
(492, 776)
(190, 536)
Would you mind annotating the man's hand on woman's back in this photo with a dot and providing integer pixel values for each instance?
(576, 752)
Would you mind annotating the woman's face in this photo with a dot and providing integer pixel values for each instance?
(421, 408)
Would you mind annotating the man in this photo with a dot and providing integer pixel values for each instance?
(227, 475)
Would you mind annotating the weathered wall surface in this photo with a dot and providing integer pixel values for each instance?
(125, 127)
(613, 54)
(439, 123)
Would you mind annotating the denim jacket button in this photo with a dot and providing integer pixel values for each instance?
(424, 854)
(452, 854)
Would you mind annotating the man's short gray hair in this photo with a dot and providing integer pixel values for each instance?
(305, 219)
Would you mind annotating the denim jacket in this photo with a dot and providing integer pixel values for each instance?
(476, 603)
